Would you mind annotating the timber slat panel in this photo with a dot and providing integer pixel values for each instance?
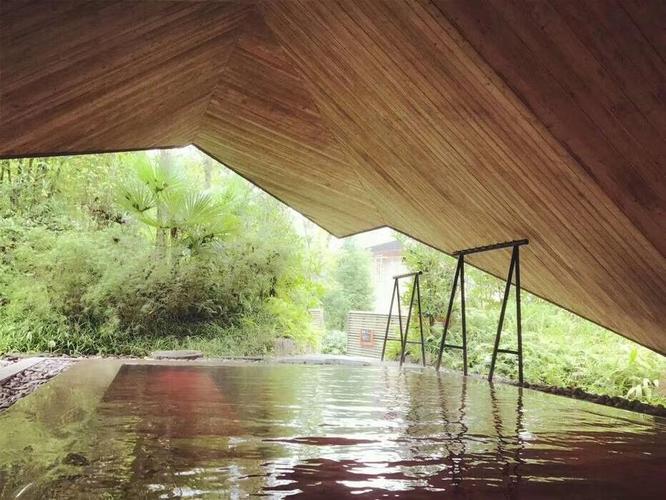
(466, 153)
(458, 122)
(375, 323)
(271, 132)
(141, 78)
(577, 77)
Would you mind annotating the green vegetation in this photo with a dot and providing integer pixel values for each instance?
(351, 287)
(334, 342)
(560, 349)
(122, 254)
(128, 253)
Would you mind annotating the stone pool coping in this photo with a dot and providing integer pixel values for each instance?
(24, 376)
(24, 382)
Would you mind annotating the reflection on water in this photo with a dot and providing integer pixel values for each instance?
(163, 431)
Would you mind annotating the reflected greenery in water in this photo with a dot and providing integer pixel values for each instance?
(148, 430)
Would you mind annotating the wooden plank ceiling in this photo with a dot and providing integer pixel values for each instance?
(458, 122)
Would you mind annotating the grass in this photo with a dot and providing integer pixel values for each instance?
(246, 339)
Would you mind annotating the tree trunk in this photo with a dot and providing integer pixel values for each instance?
(208, 170)
(165, 160)
(16, 186)
(6, 168)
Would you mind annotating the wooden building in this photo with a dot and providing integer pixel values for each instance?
(386, 263)
(458, 122)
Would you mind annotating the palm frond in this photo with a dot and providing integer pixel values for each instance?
(137, 198)
(159, 177)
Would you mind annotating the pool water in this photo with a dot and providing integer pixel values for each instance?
(105, 429)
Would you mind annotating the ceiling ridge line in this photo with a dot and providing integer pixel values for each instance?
(237, 31)
(350, 158)
(254, 20)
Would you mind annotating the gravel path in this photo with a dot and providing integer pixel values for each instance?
(23, 383)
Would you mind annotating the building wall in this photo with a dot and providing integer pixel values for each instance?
(385, 266)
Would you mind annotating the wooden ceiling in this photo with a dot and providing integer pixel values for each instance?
(458, 122)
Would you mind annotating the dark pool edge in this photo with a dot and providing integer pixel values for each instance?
(657, 410)
(634, 405)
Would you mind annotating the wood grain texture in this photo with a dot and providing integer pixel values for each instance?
(598, 87)
(422, 111)
(458, 122)
(99, 75)
(271, 132)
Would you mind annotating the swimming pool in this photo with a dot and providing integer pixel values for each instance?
(108, 428)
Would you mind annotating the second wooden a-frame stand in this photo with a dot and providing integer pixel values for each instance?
(416, 292)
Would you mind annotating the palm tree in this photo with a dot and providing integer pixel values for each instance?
(161, 197)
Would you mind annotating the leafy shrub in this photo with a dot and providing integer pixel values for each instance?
(334, 342)
(184, 266)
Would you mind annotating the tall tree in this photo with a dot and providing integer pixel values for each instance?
(352, 287)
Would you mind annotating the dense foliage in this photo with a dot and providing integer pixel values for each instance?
(125, 253)
(560, 349)
(334, 342)
(351, 287)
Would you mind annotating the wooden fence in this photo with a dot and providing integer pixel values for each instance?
(365, 332)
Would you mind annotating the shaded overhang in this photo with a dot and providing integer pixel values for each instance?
(458, 122)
